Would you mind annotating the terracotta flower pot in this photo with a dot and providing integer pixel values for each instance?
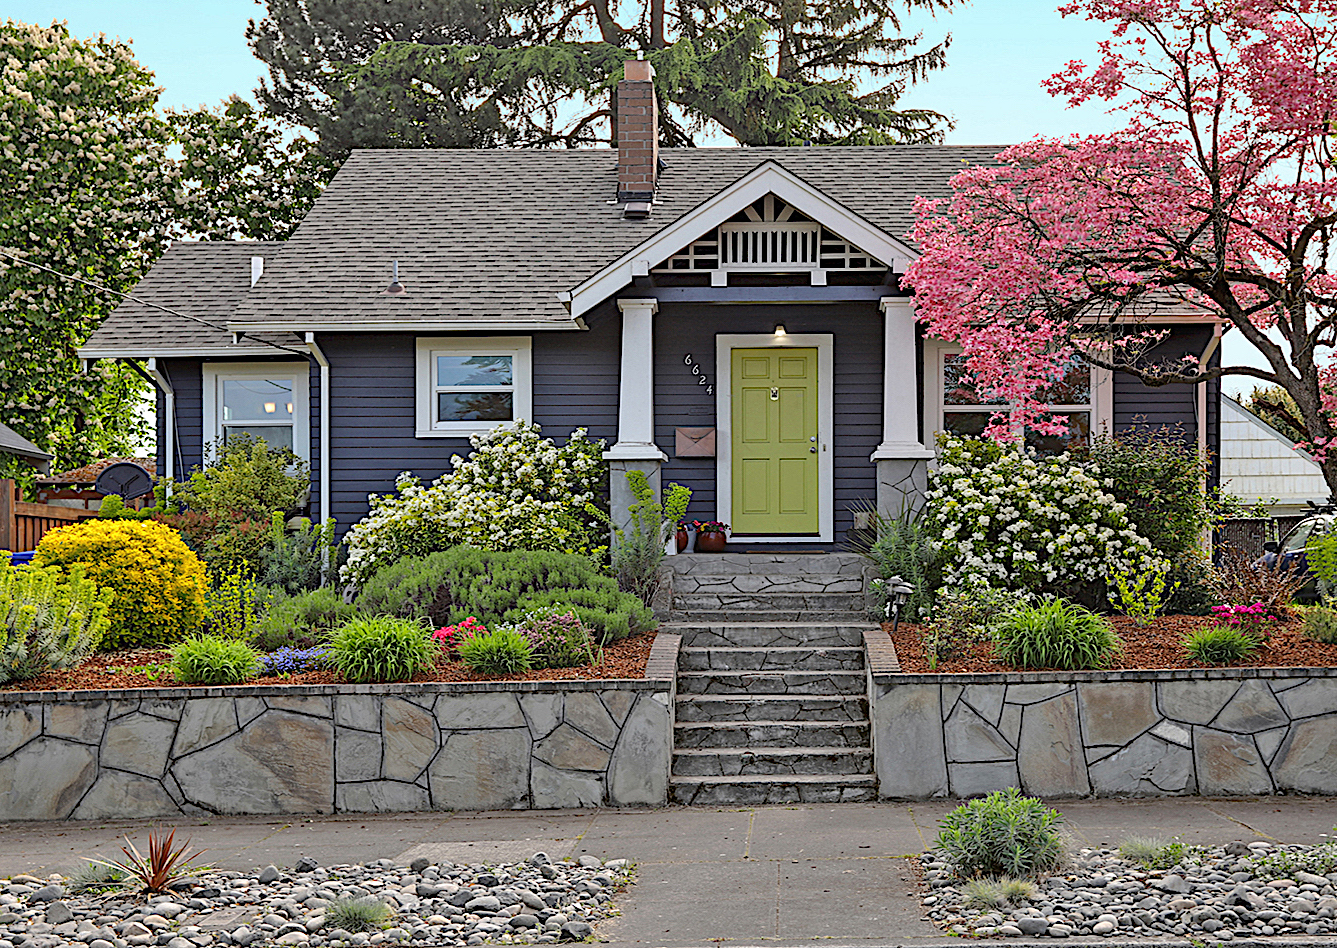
(682, 539)
(711, 542)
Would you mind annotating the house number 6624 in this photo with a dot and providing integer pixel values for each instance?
(700, 376)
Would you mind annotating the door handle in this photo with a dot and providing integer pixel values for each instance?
(813, 450)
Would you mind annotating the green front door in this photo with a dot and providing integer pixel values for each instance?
(774, 441)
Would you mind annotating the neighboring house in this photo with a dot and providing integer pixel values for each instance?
(655, 297)
(11, 442)
(75, 489)
(1258, 462)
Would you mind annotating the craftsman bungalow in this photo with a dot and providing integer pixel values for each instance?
(728, 318)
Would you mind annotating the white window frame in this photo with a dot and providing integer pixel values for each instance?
(519, 348)
(1101, 406)
(216, 373)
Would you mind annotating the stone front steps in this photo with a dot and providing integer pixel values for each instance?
(771, 703)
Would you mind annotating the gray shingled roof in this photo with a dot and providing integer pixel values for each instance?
(489, 236)
(494, 235)
(205, 280)
(11, 442)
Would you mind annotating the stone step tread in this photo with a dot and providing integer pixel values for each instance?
(772, 673)
(739, 725)
(778, 648)
(763, 751)
(779, 625)
(863, 780)
(752, 698)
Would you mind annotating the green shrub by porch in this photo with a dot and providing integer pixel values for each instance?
(500, 587)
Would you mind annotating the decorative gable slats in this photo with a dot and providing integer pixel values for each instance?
(769, 235)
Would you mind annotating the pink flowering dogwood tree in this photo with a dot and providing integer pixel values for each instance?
(1218, 196)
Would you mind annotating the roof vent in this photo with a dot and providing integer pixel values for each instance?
(636, 210)
(395, 288)
(257, 269)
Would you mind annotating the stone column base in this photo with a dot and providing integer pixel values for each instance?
(620, 497)
(902, 484)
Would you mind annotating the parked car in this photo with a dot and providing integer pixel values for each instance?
(1290, 553)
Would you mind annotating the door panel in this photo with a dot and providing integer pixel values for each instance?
(774, 442)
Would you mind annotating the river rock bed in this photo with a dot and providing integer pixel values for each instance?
(1213, 894)
(534, 902)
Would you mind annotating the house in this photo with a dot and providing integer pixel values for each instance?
(727, 318)
(1259, 463)
(13, 443)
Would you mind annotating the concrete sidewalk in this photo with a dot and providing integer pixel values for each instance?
(770, 875)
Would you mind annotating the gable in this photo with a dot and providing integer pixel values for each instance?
(767, 181)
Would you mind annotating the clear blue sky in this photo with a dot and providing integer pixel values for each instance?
(1001, 50)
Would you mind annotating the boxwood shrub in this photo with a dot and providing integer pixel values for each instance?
(500, 587)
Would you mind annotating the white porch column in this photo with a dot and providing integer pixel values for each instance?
(901, 458)
(635, 448)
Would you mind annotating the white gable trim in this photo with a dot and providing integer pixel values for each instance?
(766, 178)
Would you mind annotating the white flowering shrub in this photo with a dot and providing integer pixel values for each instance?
(1014, 520)
(517, 491)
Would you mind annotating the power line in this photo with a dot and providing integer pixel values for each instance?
(142, 302)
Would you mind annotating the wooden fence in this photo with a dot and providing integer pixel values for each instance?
(23, 524)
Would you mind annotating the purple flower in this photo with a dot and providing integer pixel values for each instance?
(291, 661)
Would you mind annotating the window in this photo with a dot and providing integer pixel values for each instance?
(466, 385)
(258, 400)
(959, 409)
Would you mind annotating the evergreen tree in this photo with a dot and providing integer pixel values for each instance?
(387, 73)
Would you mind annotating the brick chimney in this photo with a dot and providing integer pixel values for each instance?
(637, 133)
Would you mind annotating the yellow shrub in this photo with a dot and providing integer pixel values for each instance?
(160, 584)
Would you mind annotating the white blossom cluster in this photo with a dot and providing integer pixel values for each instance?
(517, 491)
(1011, 519)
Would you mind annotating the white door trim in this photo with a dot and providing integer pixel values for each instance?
(823, 342)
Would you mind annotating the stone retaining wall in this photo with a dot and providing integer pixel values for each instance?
(1064, 734)
(328, 748)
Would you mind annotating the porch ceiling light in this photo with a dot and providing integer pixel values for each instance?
(270, 408)
(780, 331)
(395, 288)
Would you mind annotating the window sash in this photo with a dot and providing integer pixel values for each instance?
(430, 388)
(946, 408)
(294, 378)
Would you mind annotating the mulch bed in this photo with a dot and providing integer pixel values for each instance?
(148, 668)
(1155, 646)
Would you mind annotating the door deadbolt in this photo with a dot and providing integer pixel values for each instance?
(775, 394)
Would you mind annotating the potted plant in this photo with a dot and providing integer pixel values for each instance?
(711, 536)
(683, 538)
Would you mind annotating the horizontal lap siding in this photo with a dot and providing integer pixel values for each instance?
(372, 406)
(187, 381)
(1137, 404)
(857, 389)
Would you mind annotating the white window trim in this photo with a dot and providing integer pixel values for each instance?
(216, 373)
(725, 343)
(1102, 392)
(519, 348)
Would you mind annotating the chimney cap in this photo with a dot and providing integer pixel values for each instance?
(639, 70)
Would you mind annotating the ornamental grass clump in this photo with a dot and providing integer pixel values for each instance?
(214, 660)
(1220, 645)
(354, 915)
(160, 586)
(1054, 634)
(986, 895)
(1002, 834)
(503, 651)
(1153, 852)
(381, 648)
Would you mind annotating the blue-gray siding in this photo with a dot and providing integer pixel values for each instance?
(576, 384)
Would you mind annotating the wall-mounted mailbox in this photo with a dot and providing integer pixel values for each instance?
(694, 442)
